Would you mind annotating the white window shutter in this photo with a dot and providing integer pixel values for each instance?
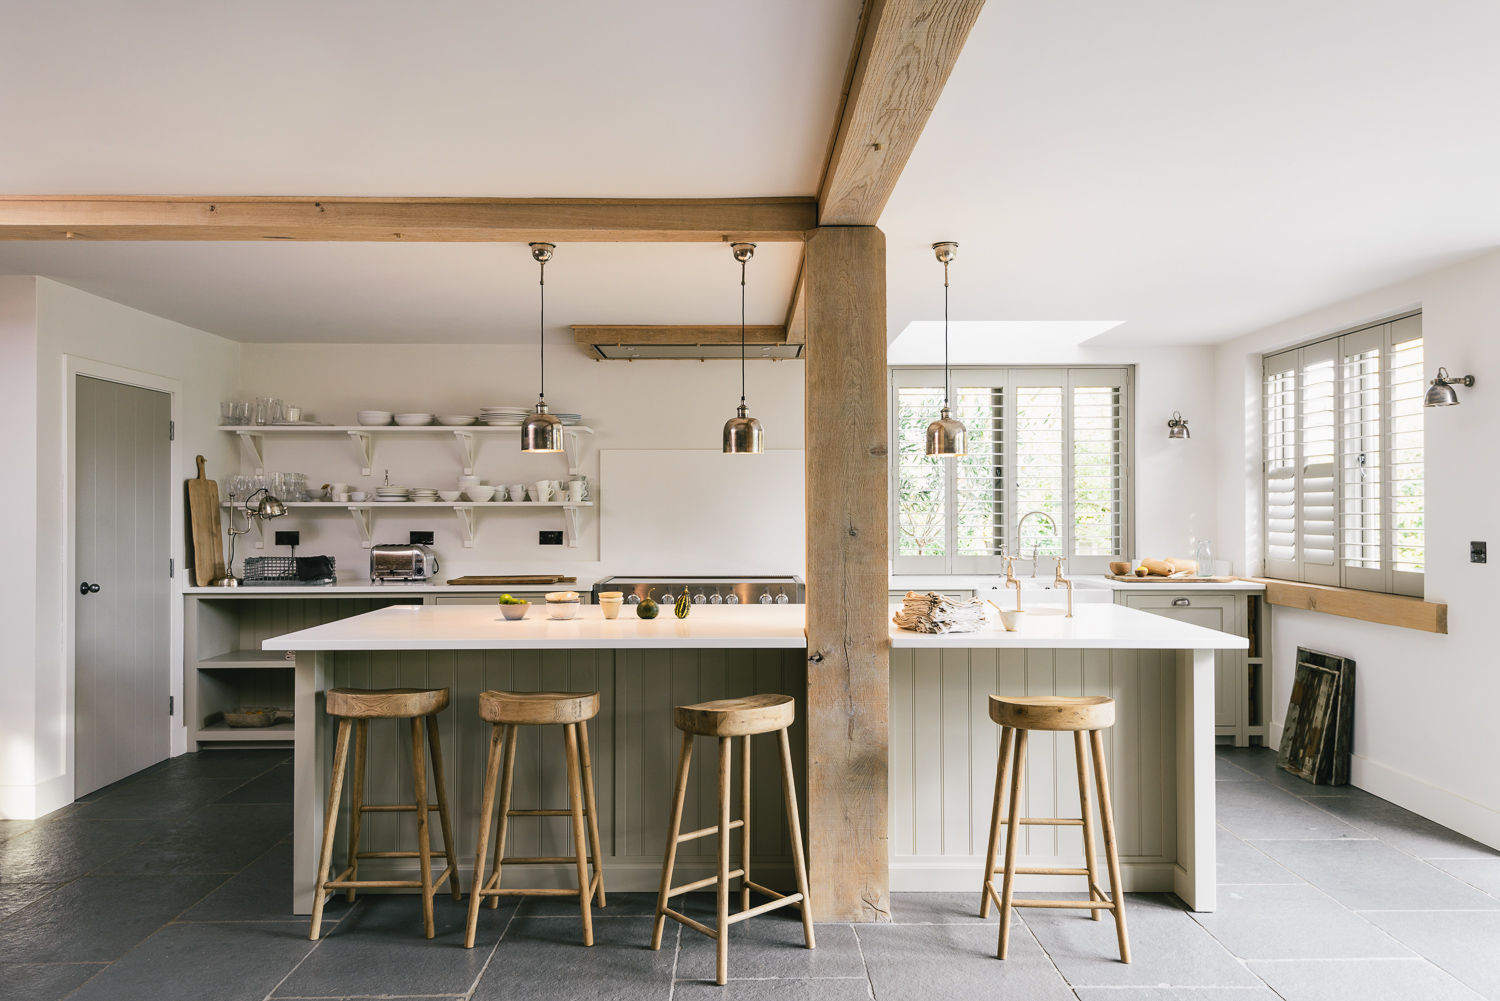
(1317, 476)
(1362, 534)
(1406, 506)
(1280, 401)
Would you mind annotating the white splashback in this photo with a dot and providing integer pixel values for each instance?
(701, 512)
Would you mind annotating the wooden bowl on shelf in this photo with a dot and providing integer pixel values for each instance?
(246, 716)
(1120, 568)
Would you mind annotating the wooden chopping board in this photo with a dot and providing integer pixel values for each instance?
(1153, 579)
(203, 519)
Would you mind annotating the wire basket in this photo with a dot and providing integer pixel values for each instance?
(270, 568)
(262, 571)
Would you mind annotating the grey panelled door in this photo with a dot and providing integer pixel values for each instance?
(121, 658)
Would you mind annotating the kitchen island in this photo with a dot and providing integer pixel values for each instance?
(1160, 671)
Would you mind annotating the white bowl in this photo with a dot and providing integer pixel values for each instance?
(374, 418)
(450, 495)
(478, 493)
(562, 609)
(413, 420)
(455, 420)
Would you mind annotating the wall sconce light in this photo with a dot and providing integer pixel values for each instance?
(1177, 426)
(1441, 394)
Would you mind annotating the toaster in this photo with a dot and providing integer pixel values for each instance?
(410, 562)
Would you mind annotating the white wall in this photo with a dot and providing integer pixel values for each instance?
(671, 406)
(1424, 732)
(71, 325)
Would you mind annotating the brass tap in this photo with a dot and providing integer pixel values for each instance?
(1063, 581)
(1010, 579)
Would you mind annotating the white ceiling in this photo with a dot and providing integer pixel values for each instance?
(1189, 170)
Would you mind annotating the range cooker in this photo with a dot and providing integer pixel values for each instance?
(785, 589)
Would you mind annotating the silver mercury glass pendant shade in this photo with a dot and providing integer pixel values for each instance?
(945, 436)
(541, 431)
(742, 433)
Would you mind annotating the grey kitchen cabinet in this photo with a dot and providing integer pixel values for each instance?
(1241, 694)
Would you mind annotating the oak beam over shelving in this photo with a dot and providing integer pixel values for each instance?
(622, 334)
(904, 53)
(413, 220)
(848, 639)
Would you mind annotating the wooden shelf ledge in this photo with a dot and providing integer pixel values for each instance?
(1352, 603)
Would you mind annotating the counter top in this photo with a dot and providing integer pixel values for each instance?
(973, 582)
(478, 627)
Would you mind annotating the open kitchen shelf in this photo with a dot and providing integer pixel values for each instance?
(467, 439)
(247, 660)
(363, 513)
(223, 731)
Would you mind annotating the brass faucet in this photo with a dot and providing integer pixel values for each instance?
(1063, 581)
(1010, 579)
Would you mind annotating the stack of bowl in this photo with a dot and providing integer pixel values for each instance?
(562, 604)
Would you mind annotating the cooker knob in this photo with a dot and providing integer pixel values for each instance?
(765, 598)
(667, 599)
(716, 599)
(732, 599)
(699, 599)
(782, 599)
(633, 599)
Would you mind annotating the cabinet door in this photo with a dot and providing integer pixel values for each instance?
(1212, 611)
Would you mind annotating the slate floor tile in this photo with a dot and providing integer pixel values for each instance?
(1371, 875)
(826, 989)
(1377, 980)
(224, 839)
(1226, 770)
(1400, 828)
(1465, 944)
(261, 892)
(1238, 862)
(1254, 922)
(617, 905)
(14, 896)
(190, 962)
(238, 763)
(275, 786)
(922, 962)
(67, 849)
(43, 981)
(772, 945)
(157, 798)
(544, 958)
(1257, 811)
(379, 949)
(1167, 947)
(939, 908)
(98, 917)
(1482, 874)
(10, 828)
(1176, 994)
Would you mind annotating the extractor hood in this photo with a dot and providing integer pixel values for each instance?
(696, 343)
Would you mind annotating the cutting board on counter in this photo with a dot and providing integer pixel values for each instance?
(203, 520)
(482, 581)
(1153, 579)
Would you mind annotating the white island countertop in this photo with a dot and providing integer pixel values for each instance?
(481, 627)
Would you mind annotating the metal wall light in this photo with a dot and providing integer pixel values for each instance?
(946, 436)
(1441, 394)
(742, 433)
(542, 432)
(1177, 427)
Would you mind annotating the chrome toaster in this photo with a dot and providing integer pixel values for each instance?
(411, 562)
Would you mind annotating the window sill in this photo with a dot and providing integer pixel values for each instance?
(1369, 606)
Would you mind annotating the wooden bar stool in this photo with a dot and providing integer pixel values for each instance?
(355, 707)
(727, 719)
(507, 711)
(1078, 714)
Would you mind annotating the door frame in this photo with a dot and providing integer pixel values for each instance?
(73, 367)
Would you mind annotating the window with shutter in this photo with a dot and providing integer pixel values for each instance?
(1039, 440)
(1343, 487)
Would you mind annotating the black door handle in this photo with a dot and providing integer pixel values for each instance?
(87, 588)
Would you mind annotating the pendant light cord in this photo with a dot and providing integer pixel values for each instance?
(541, 332)
(947, 377)
(742, 331)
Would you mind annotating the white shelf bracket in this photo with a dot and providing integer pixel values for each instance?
(466, 525)
(256, 446)
(468, 445)
(570, 450)
(361, 516)
(570, 527)
(364, 444)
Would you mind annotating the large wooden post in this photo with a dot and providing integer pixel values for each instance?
(848, 670)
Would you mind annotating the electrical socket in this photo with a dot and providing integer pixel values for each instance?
(289, 538)
(1478, 552)
(549, 538)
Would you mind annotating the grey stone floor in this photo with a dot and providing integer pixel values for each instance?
(172, 885)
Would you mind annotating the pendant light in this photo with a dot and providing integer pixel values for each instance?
(742, 434)
(946, 436)
(542, 432)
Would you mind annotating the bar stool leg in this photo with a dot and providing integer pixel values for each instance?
(1007, 887)
(486, 817)
(580, 839)
(1080, 755)
(435, 747)
(357, 801)
(745, 822)
(674, 825)
(1111, 853)
(592, 808)
(330, 821)
(987, 888)
(721, 941)
(424, 849)
(794, 828)
(505, 787)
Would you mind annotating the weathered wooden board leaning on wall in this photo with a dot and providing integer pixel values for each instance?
(1317, 740)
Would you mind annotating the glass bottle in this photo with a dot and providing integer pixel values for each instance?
(1204, 555)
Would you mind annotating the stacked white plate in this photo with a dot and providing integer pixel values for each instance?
(413, 420)
(374, 418)
(424, 495)
(455, 420)
(503, 416)
(393, 494)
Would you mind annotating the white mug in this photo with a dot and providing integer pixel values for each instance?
(575, 491)
(541, 490)
(517, 491)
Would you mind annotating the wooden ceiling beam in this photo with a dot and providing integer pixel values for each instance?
(590, 334)
(905, 50)
(796, 310)
(417, 220)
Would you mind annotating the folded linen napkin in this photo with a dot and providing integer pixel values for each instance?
(933, 613)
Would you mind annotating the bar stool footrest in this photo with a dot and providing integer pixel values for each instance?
(785, 900)
(1089, 905)
(699, 884)
(695, 925)
(704, 832)
(396, 808)
(491, 890)
(1045, 870)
